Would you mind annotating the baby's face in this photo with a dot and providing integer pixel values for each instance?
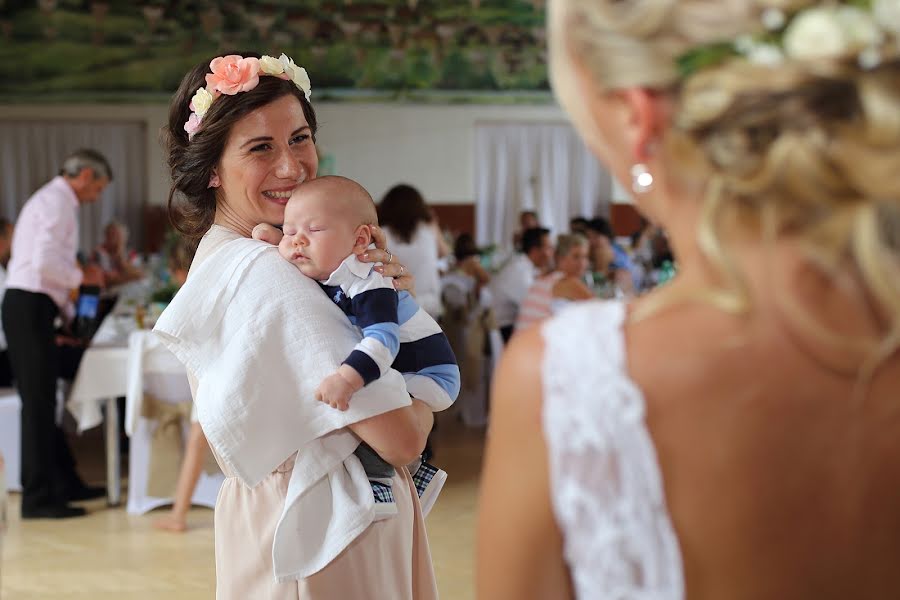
(317, 237)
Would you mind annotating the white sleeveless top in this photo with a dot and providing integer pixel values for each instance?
(606, 485)
(420, 256)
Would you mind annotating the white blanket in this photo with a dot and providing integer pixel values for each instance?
(260, 337)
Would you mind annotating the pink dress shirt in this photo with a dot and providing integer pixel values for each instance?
(45, 244)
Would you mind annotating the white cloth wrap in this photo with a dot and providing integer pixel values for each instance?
(258, 357)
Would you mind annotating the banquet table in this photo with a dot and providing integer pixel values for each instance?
(103, 377)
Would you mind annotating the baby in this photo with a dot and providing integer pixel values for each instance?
(325, 224)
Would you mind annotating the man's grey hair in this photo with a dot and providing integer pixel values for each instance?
(85, 158)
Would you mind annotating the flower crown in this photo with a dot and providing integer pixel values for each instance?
(233, 73)
(867, 31)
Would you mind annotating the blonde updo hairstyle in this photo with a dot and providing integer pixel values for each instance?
(809, 151)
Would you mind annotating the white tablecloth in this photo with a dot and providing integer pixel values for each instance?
(103, 370)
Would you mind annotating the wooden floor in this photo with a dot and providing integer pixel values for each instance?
(112, 555)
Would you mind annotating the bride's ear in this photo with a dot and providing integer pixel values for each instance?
(363, 238)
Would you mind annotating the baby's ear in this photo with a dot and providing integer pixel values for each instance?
(363, 238)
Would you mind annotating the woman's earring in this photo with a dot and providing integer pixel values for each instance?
(213, 181)
(641, 179)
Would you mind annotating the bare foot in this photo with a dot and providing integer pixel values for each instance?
(170, 523)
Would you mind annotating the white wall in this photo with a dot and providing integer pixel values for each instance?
(428, 146)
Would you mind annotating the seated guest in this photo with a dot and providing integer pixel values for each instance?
(112, 257)
(578, 225)
(564, 285)
(196, 449)
(609, 261)
(510, 285)
(528, 219)
(468, 260)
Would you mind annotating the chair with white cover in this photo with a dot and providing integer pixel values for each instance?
(10, 436)
(158, 387)
(11, 431)
(469, 324)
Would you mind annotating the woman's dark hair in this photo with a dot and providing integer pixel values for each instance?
(401, 210)
(601, 226)
(192, 204)
(182, 252)
(464, 247)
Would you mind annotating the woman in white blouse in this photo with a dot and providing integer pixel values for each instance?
(415, 239)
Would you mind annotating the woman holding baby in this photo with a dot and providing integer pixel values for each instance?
(240, 140)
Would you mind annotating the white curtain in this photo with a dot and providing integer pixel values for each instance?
(543, 167)
(31, 153)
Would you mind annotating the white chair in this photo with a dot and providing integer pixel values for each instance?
(11, 432)
(466, 322)
(154, 371)
(10, 436)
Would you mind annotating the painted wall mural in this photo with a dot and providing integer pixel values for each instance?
(426, 50)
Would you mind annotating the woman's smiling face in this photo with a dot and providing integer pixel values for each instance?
(269, 152)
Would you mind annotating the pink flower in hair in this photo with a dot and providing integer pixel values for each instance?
(232, 74)
(192, 125)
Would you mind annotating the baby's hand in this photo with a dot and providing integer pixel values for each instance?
(267, 233)
(335, 391)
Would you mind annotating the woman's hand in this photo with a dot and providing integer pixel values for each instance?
(389, 266)
(267, 233)
(92, 274)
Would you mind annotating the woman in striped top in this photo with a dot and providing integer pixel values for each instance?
(563, 285)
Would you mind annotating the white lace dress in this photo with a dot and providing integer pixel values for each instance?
(606, 484)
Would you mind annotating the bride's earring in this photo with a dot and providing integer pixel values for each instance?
(641, 179)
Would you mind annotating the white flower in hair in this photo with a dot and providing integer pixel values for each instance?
(297, 74)
(860, 27)
(301, 80)
(289, 65)
(816, 33)
(201, 102)
(744, 44)
(773, 19)
(869, 58)
(887, 14)
(271, 65)
(768, 55)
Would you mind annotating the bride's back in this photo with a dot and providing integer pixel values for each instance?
(781, 480)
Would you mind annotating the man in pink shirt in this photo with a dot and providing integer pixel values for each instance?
(43, 271)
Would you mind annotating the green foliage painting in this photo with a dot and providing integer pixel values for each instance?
(121, 50)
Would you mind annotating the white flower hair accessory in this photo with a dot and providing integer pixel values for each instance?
(864, 31)
(233, 74)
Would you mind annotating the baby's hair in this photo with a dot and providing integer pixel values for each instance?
(353, 195)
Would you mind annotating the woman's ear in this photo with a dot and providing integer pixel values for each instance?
(647, 114)
(363, 238)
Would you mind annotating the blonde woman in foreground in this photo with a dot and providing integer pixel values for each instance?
(734, 434)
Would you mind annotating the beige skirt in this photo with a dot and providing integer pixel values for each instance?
(390, 560)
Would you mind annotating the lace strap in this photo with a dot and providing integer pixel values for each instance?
(605, 482)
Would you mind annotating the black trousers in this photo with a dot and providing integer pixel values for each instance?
(6, 379)
(48, 468)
